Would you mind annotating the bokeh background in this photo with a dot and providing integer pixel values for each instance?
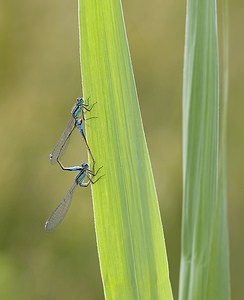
(39, 81)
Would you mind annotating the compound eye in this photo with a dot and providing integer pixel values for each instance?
(79, 101)
(85, 165)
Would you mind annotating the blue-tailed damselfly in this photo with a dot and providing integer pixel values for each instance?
(74, 121)
(59, 213)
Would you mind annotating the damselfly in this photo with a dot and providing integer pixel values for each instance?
(59, 213)
(80, 107)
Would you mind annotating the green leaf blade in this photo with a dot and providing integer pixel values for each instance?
(129, 232)
(204, 216)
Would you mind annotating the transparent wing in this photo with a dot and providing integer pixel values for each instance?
(60, 146)
(60, 212)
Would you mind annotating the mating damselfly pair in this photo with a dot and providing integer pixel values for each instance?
(84, 171)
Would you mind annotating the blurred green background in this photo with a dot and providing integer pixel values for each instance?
(39, 81)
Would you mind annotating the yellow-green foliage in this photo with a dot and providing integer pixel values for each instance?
(128, 227)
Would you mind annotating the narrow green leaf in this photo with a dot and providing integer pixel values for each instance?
(219, 264)
(204, 270)
(129, 232)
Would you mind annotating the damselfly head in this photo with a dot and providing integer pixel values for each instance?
(85, 165)
(80, 101)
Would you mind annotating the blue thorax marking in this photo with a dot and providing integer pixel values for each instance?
(77, 108)
(80, 177)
